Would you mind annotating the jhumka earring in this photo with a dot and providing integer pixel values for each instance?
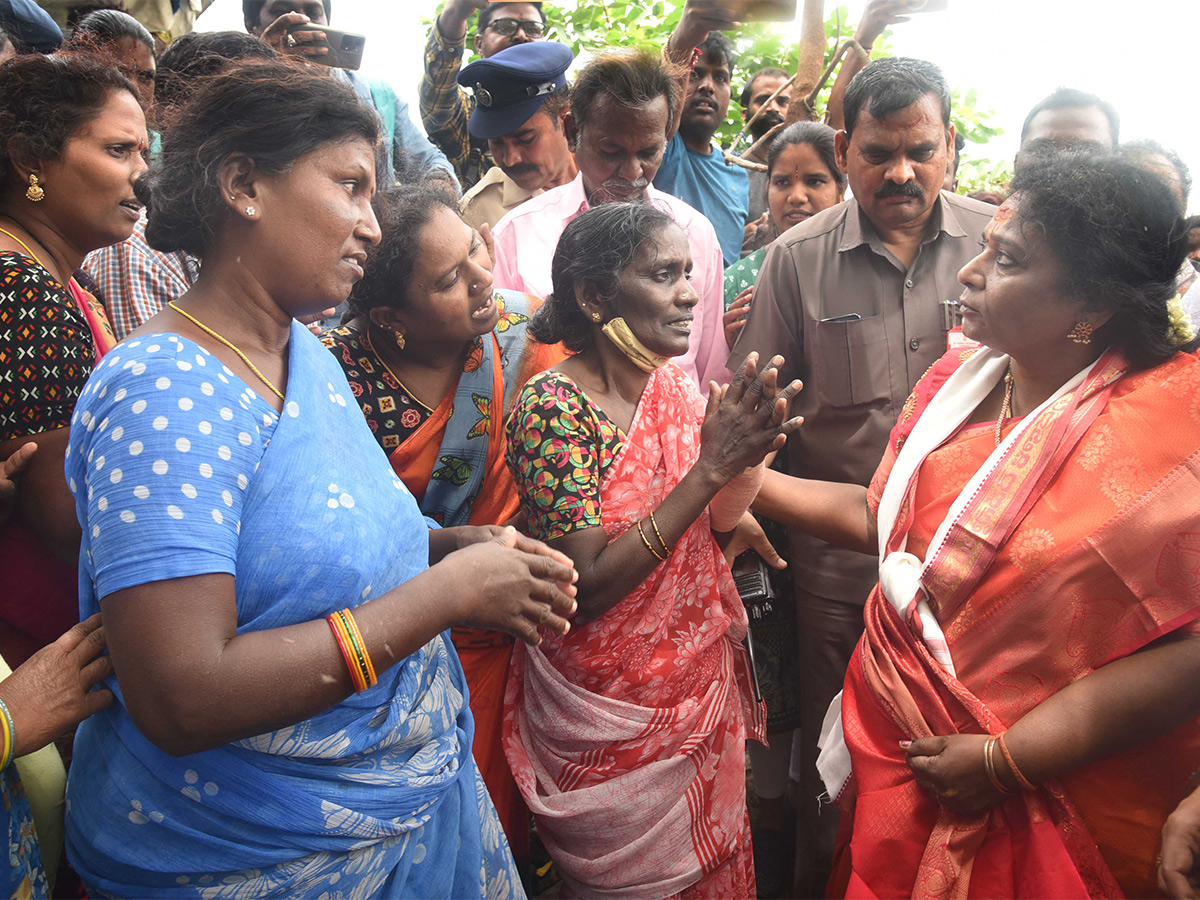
(34, 192)
(1082, 332)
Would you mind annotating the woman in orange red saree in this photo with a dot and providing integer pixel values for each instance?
(1018, 719)
(435, 356)
(627, 737)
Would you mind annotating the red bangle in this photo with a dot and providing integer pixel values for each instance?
(343, 642)
(1012, 765)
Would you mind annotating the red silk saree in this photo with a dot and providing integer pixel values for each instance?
(1075, 543)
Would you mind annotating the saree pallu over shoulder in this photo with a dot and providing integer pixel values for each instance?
(627, 735)
(1075, 544)
(378, 796)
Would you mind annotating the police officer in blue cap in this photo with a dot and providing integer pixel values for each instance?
(520, 102)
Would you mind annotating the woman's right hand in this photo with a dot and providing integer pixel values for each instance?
(735, 316)
(746, 420)
(1179, 864)
(501, 588)
(51, 692)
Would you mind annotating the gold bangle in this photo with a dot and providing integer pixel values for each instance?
(989, 766)
(658, 534)
(1012, 765)
(657, 555)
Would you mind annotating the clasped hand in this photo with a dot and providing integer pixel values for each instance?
(950, 768)
(746, 419)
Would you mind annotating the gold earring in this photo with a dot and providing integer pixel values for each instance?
(596, 317)
(1082, 332)
(34, 192)
(400, 339)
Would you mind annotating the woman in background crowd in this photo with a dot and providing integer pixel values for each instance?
(435, 357)
(1019, 716)
(125, 41)
(291, 720)
(627, 736)
(72, 139)
(802, 180)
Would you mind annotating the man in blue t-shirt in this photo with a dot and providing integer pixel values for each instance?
(693, 167)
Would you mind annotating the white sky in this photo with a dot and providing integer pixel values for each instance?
(1141, 55)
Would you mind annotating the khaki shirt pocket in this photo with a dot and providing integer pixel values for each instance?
(851, 364)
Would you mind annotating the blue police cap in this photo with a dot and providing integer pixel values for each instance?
(510, 86)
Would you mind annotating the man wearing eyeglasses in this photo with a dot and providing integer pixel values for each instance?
(444, 105)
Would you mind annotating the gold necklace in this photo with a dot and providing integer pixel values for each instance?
(253, 368)
(1006, 406)
(25, 247)
(403, 386)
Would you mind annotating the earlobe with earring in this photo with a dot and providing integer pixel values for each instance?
(1082, 332)
(400, 339)
(251, 211)
(596, 317)
(34, 192)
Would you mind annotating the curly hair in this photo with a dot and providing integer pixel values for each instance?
(403, 212)
(597, 246)
(45, 100)
(273, 112)
(1116, 232)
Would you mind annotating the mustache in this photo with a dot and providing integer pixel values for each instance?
(518, 171)
(907, 189)
(622, 186)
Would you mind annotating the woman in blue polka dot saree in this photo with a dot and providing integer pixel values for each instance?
(291, 717)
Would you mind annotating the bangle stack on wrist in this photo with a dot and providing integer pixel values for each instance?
(989, 766)
(1024, 782)
(354, 649)
(666, 551)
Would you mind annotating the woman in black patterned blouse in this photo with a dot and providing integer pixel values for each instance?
(72, 140)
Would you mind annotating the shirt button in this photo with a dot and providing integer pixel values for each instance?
(908, 283)
(914, 344)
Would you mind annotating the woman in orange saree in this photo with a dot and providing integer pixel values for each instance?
(627, 737)
(1018, 719)
(434, 366)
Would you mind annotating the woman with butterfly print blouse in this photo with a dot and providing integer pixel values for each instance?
(434, 356)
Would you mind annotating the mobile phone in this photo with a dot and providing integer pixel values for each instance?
(756, 10)
(345, 47)
(920, 6)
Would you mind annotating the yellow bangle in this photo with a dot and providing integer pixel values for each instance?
(8, 745)
(356, 635)
(658, 534)
(657, 555)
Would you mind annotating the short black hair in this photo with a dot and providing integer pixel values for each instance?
(1119, 240)
(717, 46)
(596, 246)
(273, 112)
(555, 102)
(199, 54)
(104, 26)
(632, 77)
(403, 211)
(489, 12)
(748, 91)
(817, 135)
(1140, 150)
(1070, 98)
(252, 10)
(44, 100)
(888, 85)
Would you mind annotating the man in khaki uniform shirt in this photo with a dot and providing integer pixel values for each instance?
(854, 299)
(520, 102)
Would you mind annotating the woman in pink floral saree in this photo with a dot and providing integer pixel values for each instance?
(627, 735)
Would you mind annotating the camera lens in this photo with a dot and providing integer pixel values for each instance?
(352, 43)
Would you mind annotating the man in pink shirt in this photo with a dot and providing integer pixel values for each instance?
(619, 138)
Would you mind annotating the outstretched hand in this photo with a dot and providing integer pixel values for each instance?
(512, 583)
(746, 419)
